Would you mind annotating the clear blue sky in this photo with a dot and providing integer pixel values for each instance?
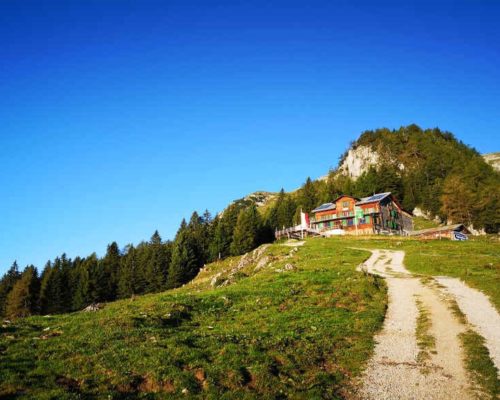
(122, 117)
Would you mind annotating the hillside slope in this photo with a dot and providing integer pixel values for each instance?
(281, 322)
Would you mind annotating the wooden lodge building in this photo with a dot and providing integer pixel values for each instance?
(380, 213)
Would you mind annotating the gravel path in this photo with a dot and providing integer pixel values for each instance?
(394, 371)
(479, 312)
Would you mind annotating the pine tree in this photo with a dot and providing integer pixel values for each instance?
(45, 283)
(127, 279)
(184, 265)
(286, 212)
(247, 230)
(111, 266)
(81, 294)
(156, 269)
(6, 284)
(22, 300)
(52, 290)
(308, 198)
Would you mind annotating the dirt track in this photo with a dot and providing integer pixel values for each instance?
(400, 367)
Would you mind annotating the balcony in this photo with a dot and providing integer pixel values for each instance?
(323, 218)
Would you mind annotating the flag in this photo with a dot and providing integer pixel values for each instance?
(304, 220)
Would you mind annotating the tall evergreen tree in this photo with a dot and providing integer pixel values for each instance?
(22, 300)
(184, 264)
(247, 230)
(7, 283)
(128, 279)
(308, 198)
(111, 266)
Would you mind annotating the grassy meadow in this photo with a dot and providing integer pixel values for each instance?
(271, 333)
(476, 261)
(281, 324)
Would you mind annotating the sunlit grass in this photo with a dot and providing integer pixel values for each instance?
(298, 334)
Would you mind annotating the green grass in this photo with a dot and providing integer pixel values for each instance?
(425, 341)
(480, 366)
(476, 261)
(302, 334)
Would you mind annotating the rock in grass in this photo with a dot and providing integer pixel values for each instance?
(287, 267)
(93, 307)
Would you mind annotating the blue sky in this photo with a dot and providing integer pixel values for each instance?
(122, 117)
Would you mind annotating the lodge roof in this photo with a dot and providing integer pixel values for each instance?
(325, 207)
(445, 228)
(373, 199)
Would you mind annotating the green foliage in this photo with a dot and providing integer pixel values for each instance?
(282, 212)
(308, 196)
(247, 231)
(22, 300)
(184, 263)
(440, 174)
(6, 284)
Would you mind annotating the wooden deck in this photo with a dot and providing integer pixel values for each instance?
(296, 232)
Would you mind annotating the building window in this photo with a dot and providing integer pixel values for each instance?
(345, 204)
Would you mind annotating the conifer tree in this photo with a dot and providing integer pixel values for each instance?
(81, 295)
(156, 269)
(45, 283)
(7, 283)
(51, 291)
(286, 212)
(111, 266)
(184, 265)
(127, 279)
(247, 230)
(308, 197)
(22, 300)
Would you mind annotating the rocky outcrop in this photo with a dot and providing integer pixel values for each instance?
(493, 159)
(358, 161)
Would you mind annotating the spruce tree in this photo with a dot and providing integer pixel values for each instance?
(22, 300)
(308, 198)
(184, 265)
(127, 278)
(111, 266)
(81, 295)
(156, 268)
(247, 230)
(7, 283)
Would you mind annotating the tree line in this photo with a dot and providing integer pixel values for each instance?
(66, 285)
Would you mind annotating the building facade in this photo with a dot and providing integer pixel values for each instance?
(380, 213)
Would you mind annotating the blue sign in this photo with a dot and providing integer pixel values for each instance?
(459, 236)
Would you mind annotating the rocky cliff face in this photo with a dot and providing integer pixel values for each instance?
(358, 160)
(493, 159)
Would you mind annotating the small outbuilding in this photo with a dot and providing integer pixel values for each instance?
(453, 232)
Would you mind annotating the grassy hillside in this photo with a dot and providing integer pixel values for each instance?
(281, 323)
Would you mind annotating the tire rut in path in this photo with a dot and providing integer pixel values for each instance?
(395, 372)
